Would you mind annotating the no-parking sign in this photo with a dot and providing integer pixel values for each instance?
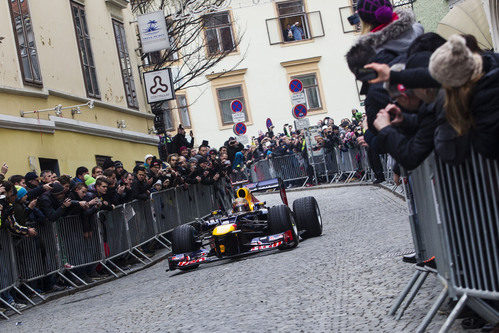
(299, 111)
(239, 129)
(295, 86)
(236, 106)
(269, 123)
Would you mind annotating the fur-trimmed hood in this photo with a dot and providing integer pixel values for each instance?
(396, 36)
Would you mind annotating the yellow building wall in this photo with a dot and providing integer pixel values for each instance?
(70, 149)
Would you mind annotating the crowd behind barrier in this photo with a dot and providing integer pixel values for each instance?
(117, 237)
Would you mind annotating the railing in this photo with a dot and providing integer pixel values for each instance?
(334, 167)
(454, 217)
(61, 248)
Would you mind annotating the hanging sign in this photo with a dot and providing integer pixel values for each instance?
(153, 32)
(159, 85)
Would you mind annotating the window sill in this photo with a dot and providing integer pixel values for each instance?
(301, 42)
(317, 111)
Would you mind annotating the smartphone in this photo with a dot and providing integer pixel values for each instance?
(354, 19)
(366, 74)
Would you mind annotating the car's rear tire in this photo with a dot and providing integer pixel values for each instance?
(308, 216)
(281, 219)
(183, 241)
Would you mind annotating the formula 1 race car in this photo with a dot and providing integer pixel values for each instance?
(250, 227)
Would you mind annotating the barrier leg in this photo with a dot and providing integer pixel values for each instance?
(67, 280)
(117, 267)
(9, 306)
(453, 315)
(34, 291)
(133, 255)
(108, 269)
(24, 295)
(4, 315)
(165, 240)
(404, 293)
(142, 254)
(78, 278)
(484, 310)
(433, 311)
(160, 242)
(413, 293)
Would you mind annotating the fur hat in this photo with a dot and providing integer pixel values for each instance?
(453, 64)
(375, 12)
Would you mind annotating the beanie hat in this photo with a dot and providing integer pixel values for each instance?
(193, 160)
(21, 192)
(57, 188)
(108, 163)
(118, 164)
(375, 12)
(453, 64)
(30, 176)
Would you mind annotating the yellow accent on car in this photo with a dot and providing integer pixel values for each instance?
(223, 229)
(245, 193)
(222, 248)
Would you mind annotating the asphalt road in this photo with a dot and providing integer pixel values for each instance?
(343, 281)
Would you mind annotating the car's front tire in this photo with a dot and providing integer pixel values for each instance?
(281, 219)
(184, 241)
(308, 216)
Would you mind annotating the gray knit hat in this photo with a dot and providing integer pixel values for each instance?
(453, 64)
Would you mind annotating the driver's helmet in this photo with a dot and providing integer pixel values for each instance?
(240, 205)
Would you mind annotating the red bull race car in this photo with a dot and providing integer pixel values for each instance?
(250, 227)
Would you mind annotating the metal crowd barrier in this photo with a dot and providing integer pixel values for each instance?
(341, 165)
(63, 248)
(453, 212)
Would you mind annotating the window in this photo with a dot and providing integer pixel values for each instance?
(183, 111)
(49, 164)
(311, 90)
(86, 56)
(225, 96)
(125, 65)
(218, 33)
(100, 159)
(25, 39)
(293, 20)
(165, 106)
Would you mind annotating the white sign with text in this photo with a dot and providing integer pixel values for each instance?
(153, 32)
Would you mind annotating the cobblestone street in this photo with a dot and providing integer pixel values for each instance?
(344, 281)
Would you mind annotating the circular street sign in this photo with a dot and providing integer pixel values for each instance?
(269, 123)
(295, 86)
(236, 105)
(299, 111)
(239, 129)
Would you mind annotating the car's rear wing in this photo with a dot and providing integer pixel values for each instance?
(266, 185)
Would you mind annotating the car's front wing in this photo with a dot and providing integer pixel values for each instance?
(203, 256)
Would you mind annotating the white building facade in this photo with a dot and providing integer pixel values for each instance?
(259, 70)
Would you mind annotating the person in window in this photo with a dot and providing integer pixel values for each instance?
(297, 31)
(288, 34)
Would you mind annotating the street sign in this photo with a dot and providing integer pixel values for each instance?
(159, 85)
(243, 139)
(295, 86)
(302, 123)
(236, 106)
(269, 123)
(239, 129)
(298, 98)
(299, 111)
(238, 117)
